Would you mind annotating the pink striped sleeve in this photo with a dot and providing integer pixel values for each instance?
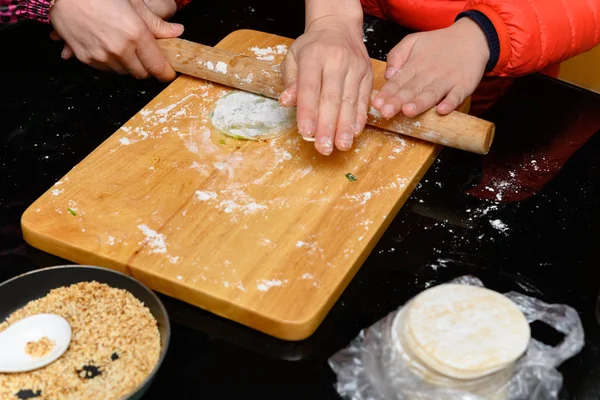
(15, 10)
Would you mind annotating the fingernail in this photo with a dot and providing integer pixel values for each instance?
(387, 111)
(345, 141)
(410, 107)
(326, 144)
(378, 102)
(444, 108)
(390, 72)
(284, 98)
(63, 54)
(358, 128)
(306, 128)
(177, 28)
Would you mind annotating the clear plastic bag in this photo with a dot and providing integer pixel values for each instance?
(370, 368)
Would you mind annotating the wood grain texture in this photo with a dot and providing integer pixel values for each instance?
(457, 130)
(267, 234)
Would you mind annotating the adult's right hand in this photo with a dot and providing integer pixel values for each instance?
(117, 35)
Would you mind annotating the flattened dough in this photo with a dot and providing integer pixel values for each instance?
(244, 115)
(465, 331)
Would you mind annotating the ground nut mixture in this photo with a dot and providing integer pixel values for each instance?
(115, 345)
(40, 348)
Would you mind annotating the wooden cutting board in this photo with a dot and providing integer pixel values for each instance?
(267, 234)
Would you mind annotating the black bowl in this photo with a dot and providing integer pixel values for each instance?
(15, 293)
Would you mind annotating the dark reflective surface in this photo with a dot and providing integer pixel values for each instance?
(523, 218)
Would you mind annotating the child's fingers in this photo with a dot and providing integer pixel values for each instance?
(330, 103)
(427, 98)
(344, 135)
(398, 56)
(309, 91)
(362, 107)
(405, 94)
(455, 97)
(392, 86)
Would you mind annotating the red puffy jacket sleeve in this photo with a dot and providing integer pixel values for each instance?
(534, 34)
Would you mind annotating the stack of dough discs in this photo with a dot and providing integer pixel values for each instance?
(244, 115)
(464, 331)
(462, 336)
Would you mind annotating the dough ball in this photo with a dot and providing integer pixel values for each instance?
(244, 115)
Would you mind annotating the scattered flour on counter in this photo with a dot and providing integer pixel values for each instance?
(501, 226)
(124, 141)
(154, 239)
(440, 263)
(56, 192)
(210, 66)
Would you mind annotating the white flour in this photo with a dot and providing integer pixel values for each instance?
(250, 116)
(501, 226)
(222, 67)
(268, 53)
(265, 284)
(154, 239)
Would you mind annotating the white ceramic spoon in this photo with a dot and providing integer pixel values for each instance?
(13, 340)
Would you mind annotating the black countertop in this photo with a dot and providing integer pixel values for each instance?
(526, 217)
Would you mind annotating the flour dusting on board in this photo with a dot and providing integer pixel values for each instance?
(154, 239)
(268, 53)
(239, 181)
(264, 284)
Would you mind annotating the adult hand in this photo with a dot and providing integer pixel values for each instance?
(163, 9)
(117, 35)
(328, 76)
(440, 67)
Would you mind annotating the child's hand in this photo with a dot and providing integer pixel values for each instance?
(117, 35)
(425, 68)
(328, 76)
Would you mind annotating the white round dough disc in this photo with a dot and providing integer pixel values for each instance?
(466, 331)
(244, 115)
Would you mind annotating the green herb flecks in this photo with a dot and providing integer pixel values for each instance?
(222, 141)
(71, 211)
(350, 177)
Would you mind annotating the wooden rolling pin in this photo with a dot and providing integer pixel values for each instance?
(458, 130)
